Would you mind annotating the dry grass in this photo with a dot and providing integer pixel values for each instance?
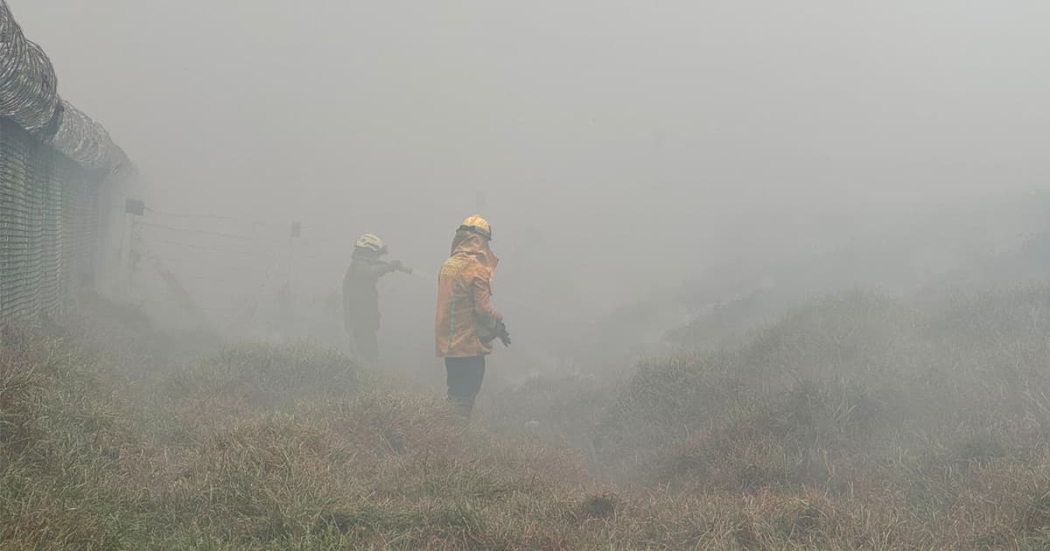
(854, 423)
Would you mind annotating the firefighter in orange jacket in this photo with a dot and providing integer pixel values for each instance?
(466, 323)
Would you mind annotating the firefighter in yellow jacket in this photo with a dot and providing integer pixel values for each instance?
(466, 323)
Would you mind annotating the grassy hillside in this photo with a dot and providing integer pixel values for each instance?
(855, 422)
(858, 369)
(905, 425)
(258, 447)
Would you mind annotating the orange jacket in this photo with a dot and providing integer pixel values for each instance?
(466, 322)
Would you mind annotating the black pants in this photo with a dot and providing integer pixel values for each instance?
(464, 382)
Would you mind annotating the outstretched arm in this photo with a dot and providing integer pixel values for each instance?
(379, 268)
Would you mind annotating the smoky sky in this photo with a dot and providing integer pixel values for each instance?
(616, 143)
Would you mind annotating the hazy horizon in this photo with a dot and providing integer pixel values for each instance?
(621, 147)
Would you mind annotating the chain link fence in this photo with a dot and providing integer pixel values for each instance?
(48, 227)
(58, 184)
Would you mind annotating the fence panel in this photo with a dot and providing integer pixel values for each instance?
(53, 158)
(49, 216)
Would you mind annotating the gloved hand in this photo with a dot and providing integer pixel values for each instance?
(502, 334)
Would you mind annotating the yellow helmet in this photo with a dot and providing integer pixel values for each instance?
(477, 225)
(372, 243)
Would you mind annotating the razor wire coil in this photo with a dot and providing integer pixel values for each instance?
(29, 96)
(53, 161)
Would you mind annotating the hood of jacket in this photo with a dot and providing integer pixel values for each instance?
(469, 243)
